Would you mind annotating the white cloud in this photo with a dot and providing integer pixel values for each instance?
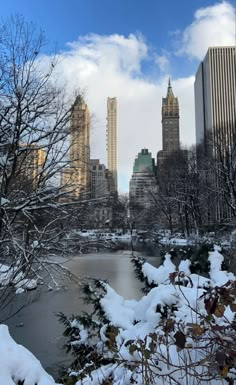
(112, 66)
(212, 26)
(163, 62)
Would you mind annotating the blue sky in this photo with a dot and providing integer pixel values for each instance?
(128, 49)
(64, 20)
(159, 21)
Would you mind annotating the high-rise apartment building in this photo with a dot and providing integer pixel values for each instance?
(215, 115)
(99, 183)
(112, 141)
(33, 164)
(29, 168)
(215, 106)
(170, 125)
(76, 178)
(143, 180)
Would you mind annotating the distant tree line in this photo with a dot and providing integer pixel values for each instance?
(196, 192)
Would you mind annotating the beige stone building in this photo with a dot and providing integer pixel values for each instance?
(112, 141)
(170, 126)
(76, 177)
(30, 166)
(170, 121)
(38, 156)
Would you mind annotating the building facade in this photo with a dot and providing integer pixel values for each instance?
(34, 164)
(112, 142)
(76, 178)
(215, 116)
(99, 183)
(170, 126)
(29, 170)
(170, 121)
(143, 181)
(215, 89)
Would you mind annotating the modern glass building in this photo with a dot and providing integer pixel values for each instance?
(215, 104)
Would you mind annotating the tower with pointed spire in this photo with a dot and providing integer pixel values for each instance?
(170, 127)
(170, 121)
(76, 177)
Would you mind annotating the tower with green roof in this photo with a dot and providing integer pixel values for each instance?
(143, 180)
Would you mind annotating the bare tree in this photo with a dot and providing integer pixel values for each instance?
(183, 196)
(34, 116)
(216, 164)
(224, 168)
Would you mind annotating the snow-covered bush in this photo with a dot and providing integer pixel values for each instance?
(13, 276)
(182, 331)
(18, 365)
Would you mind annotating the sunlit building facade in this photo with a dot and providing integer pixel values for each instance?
(170, 126)
(215, 102)
(76, 177)
(112, 142)
(215, 116)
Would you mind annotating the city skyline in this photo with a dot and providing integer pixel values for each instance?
(131, 55)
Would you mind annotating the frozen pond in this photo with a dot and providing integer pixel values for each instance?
(37, 327)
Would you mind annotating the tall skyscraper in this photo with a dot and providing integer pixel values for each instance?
(76, 177)
(170, 126)
(112, 141)
(215, 114)
(170, 121)
(34, 162)
(215, 108)
(29, 168)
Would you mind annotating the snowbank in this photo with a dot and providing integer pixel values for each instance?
(216, 259)
(18, 364)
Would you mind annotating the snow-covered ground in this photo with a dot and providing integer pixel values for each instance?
(96, 235)
(175, 241)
